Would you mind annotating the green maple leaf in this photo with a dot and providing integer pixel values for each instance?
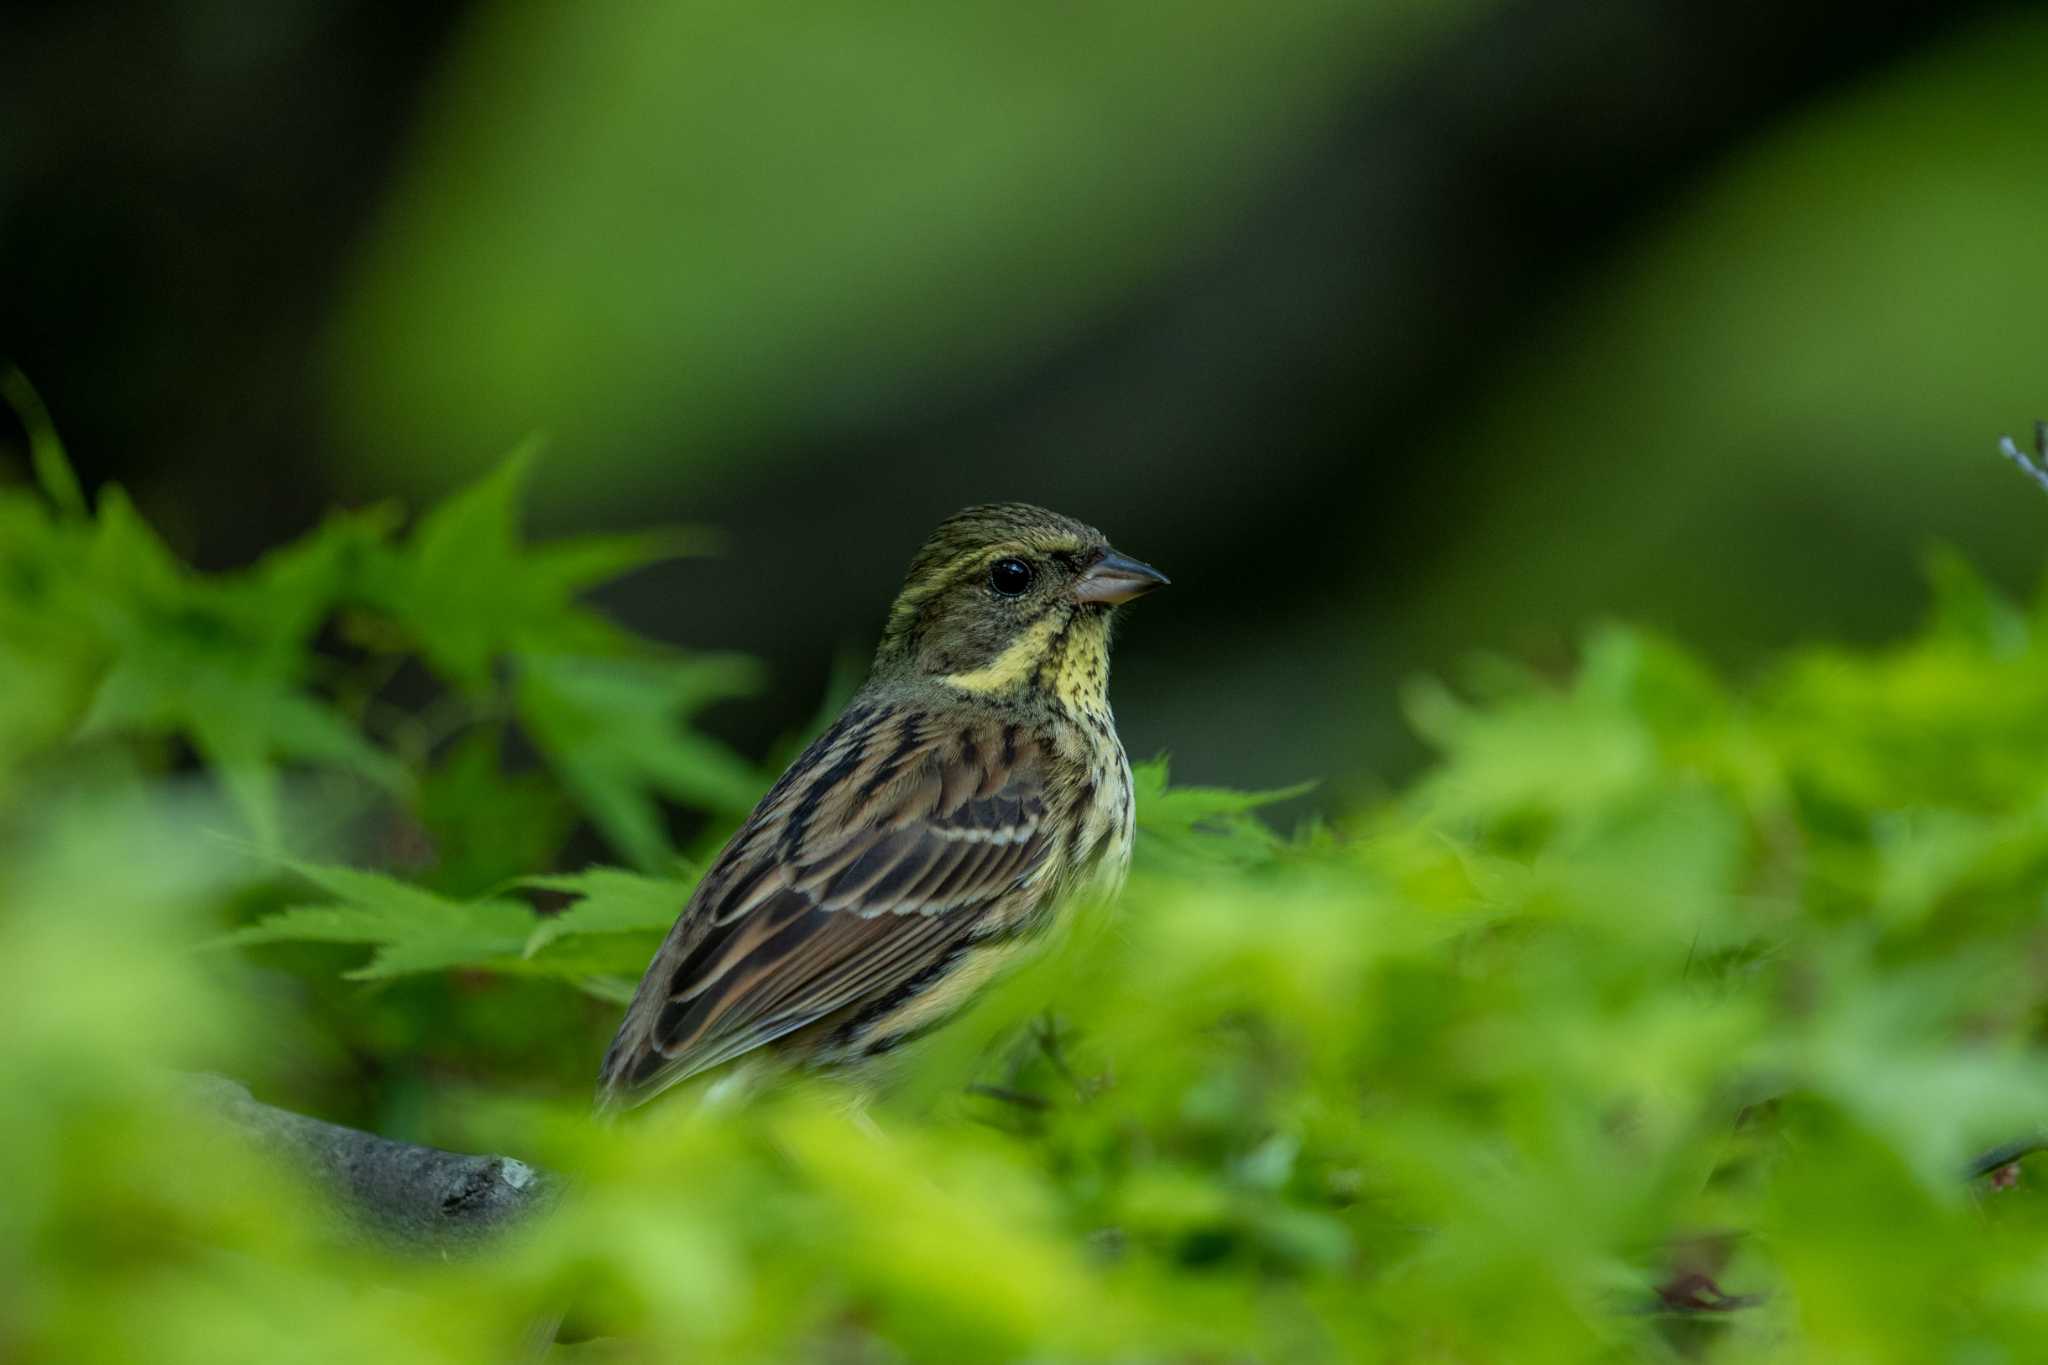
(615, 732)
(1208, 822)
(412, 930)
(467, 589)
(610, 900)
(222, 661)
(487, 825)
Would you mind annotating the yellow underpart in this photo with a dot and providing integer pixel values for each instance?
(1081, 674)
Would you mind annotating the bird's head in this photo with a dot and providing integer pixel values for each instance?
(1008, 599)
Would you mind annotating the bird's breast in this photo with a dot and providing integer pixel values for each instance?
(1097, 793)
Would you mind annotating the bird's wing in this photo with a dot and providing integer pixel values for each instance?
(890, 844)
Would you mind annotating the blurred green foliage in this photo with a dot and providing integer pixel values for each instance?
(1650, 979)
(1160, 266)
(1803, 361)
(721, 247)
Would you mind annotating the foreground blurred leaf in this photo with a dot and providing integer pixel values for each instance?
(46, 452)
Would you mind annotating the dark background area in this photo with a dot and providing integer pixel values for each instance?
(1447, 366)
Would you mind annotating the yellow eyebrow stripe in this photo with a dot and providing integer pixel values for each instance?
(929, 584)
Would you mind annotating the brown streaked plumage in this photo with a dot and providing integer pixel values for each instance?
(972, 787)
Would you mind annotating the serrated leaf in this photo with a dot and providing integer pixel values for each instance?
(458, 935)
(412, 929)
(610, 901)
(468, 589)
(615, 730)
(128, 553)
(488, 825)
(586, 955)
(1204, 823)
(239, 722)
(318, 924)
(579, 562)
(45, 450)
(1183, 808)
(222, 661)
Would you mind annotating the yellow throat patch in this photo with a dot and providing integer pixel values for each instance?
(1066, 656)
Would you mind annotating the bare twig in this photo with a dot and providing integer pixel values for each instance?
(2006, 1154)
(2037, 468)
(418, 1198)
(1022, 1099)
(1694, 1291)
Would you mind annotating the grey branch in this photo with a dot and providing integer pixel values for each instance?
(425, 1199)
(1984, 1163)
(396, 1193)
(2011, 450)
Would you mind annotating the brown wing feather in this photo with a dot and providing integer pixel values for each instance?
(888, 846)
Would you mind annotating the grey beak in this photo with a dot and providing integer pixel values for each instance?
(1116, 578)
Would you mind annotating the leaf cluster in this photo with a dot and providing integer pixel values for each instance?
(1657, 1018)
(289, 665)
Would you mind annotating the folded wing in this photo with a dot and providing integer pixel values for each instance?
(888, 848)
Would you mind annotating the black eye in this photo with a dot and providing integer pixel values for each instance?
(1010, 577)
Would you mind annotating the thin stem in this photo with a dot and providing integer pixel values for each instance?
(2038, 472)
(1984, 1163)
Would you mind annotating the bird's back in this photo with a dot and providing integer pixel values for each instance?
(906, 857)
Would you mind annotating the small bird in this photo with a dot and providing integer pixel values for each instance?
(973, 787)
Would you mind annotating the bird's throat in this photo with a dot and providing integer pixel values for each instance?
(1063, 657)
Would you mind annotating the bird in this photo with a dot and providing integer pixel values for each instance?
(972, 792)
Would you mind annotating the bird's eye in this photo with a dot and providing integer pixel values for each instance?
(1010, 577)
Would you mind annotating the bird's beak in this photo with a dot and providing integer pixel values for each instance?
(1116, 578)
